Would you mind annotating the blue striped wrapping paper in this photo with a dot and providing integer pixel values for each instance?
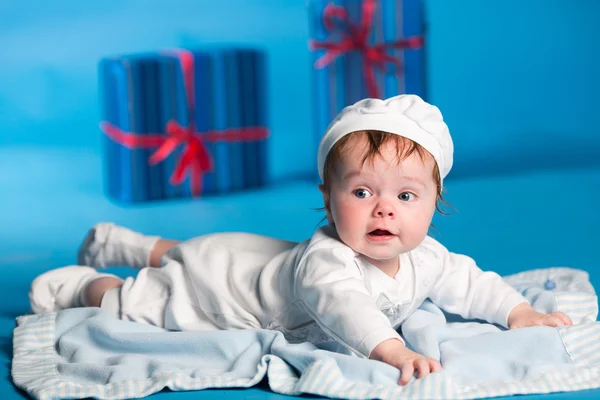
(141, 93)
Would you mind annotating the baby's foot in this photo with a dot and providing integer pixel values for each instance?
(110, 245)
(61, 288)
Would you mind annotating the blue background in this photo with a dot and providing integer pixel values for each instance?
(517, 81)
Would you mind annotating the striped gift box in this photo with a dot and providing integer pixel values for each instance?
(183, 123)
(363, 48)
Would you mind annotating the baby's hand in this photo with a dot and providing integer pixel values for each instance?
(394, 353)
(523, 315)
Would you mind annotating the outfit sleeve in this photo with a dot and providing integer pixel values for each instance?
(331, 288)
(463, 288)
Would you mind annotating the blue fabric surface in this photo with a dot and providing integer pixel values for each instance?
(85, 352)
(506, 223)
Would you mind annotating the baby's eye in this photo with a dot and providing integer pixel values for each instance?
(362, 193)
(406, 196)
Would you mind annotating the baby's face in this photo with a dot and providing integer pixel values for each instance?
(382, 209)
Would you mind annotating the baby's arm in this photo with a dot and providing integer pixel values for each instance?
(331, 289)
(463, 288)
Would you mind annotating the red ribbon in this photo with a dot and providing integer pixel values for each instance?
(355, 38)
(195, 157)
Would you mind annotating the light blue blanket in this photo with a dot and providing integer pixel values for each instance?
(84, 352)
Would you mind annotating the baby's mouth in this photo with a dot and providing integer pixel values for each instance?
(380, 232)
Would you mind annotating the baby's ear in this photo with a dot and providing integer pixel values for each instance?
(326, 203)
(325, 196)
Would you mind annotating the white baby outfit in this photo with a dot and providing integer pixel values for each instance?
(311, 291)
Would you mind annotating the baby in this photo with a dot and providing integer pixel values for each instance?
(382, 163)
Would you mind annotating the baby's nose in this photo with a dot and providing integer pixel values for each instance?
(387, 213)
(384, 210)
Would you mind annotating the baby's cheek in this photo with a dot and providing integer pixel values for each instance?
(349, 210)
(419, 227)
(345, 219)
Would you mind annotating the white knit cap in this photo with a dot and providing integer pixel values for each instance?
(406, 115)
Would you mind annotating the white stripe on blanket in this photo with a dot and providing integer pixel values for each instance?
(84, 352)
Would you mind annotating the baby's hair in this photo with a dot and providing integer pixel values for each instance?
(377, 139)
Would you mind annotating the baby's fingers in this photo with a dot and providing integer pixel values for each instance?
(406, 372)
(552, 320)
(564, 318)
(434, 365)
(422, 366)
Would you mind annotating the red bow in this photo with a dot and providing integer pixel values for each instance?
(195, 157)
(355, 37)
